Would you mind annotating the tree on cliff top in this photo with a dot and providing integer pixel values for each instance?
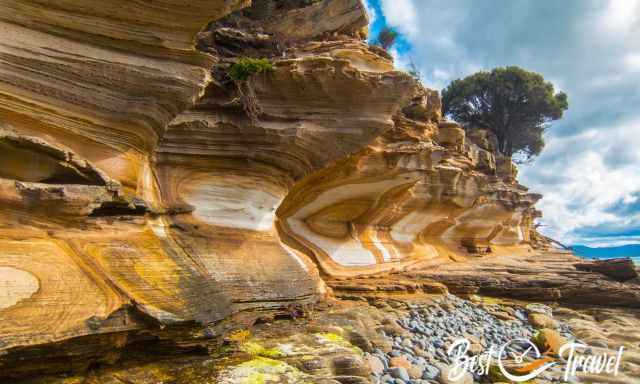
(515, 104)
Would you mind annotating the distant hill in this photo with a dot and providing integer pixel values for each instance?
(631, 250)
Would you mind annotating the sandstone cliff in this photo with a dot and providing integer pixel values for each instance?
(147, 198)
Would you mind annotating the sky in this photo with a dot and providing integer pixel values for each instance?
(589, 172)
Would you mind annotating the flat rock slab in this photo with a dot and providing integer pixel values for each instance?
(619, 269)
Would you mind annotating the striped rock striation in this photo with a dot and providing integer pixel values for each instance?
(419, 195)
(149, 202)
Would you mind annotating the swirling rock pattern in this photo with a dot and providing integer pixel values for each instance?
(147, 198)
(416, 196)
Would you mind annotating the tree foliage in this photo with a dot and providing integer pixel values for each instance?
(386, 38)
(515, 104)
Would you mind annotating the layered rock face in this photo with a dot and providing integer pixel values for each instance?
(146, 197)
(86, 91)
(419, 195)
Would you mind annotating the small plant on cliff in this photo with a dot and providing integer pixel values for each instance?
(247, 66)
(515, 104)
(413, 70)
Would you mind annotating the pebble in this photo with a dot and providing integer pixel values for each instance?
(415, 372)
(400, 361)
(376, 364)
(400, 373)
(386, 379)
(430, 372)
(444, 377)
(418, 353)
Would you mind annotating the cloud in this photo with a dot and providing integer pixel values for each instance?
(620, 16)
(602, 242)
(371, 12)
(441, 74)
(587, 48)
(590, 181)
(399, 60)
(631, 62)
(401, 14)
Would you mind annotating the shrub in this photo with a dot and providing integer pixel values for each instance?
(386, 38)
(248, 66)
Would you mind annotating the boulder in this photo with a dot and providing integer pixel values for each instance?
(553, 340)
(539, 320)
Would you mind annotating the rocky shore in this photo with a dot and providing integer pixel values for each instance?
(419, 353)
(406, 341)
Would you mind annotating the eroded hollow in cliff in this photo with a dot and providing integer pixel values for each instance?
(113, 208)
(31, 160)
